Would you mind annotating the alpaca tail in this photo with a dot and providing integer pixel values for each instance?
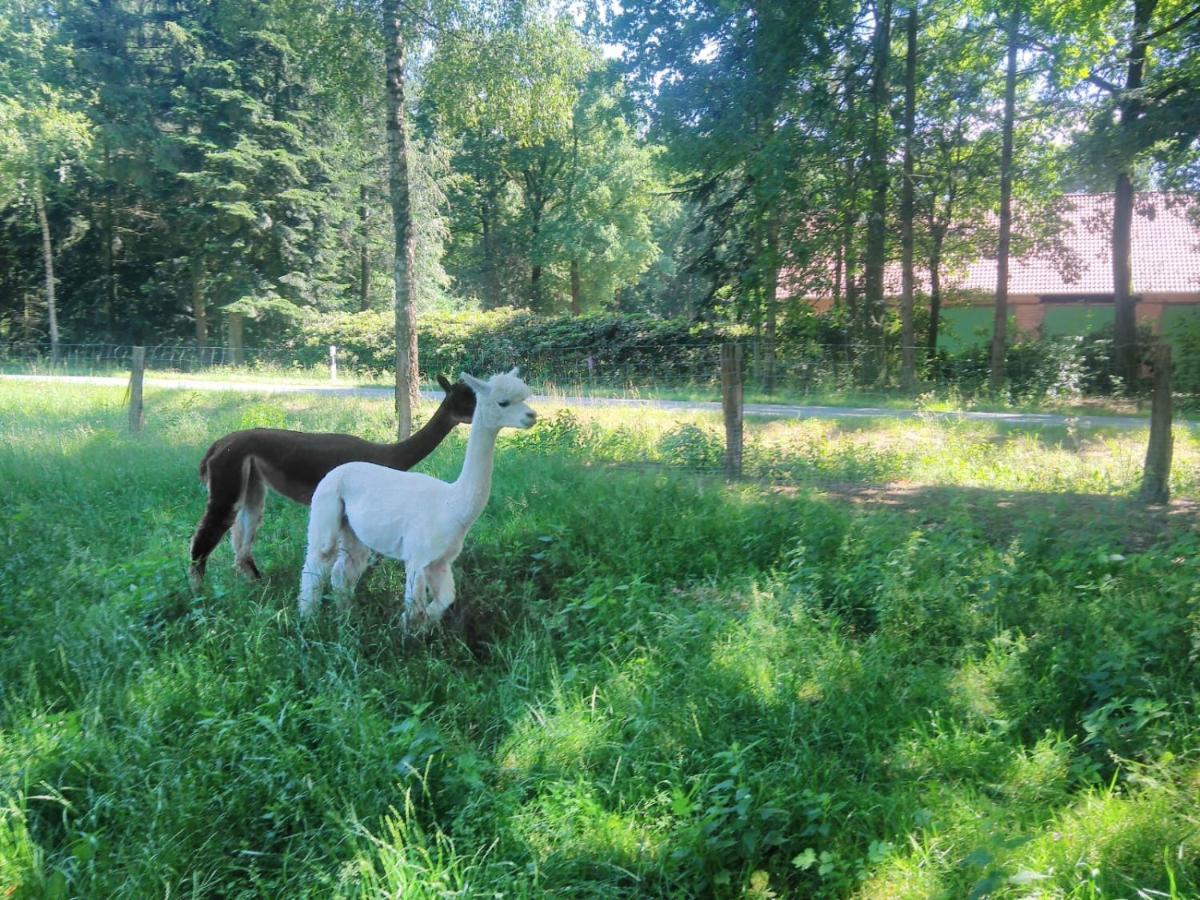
(206, 460)
(325, 518)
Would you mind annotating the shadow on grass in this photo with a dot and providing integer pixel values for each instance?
(655, 684)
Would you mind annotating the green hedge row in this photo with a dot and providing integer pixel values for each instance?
(814, 351)
(487, 342)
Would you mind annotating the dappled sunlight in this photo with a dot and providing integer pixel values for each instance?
(573, 831)
(651, 679)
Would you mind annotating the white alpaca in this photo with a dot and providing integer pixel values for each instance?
(359, 507)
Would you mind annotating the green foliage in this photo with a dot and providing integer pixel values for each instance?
(693, 446)
(1050, 367)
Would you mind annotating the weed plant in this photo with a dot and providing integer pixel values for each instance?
(654, 683)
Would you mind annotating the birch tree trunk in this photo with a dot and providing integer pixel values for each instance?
(404, 254)
(39, 203)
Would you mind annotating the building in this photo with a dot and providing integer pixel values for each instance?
(1063, 282)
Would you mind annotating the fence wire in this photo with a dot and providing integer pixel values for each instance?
(1050, 371)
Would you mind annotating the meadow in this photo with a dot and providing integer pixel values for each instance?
(901, 659)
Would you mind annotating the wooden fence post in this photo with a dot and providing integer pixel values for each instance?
(731, 404)
(1157, 474)
(136, 416)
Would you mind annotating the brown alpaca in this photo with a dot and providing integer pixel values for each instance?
(238, 467)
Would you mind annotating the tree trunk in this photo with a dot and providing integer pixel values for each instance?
(109, 239)
(237, 346)
(199, 307)
(770, 288)
(535, 285)
(364, 254)
(404, 253)
(838, 253)
(491, 266)
(935, 294)
(1000, 327)
(1124, 317)
(876, 249)
(908, 362)
(39, 203)
(576, 299)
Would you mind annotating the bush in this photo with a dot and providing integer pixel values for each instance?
(1050, 367)
(1185, 338)
(693, 446)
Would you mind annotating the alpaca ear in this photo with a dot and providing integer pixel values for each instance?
(513, 372)
(472, 382)
(444, 382)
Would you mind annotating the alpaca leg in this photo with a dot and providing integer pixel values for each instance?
(353, 558)
(441, 583)
(249, 517)
(314, 576)
(324, 527)
(224, 492)
(415, 589)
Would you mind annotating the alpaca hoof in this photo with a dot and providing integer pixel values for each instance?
(414, 621)
(196, 576)
(248, 568)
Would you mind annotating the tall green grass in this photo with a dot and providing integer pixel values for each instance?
(653, 684)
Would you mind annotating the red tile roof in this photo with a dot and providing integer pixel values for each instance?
(1078, 259)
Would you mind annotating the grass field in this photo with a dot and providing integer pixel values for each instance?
(904, 659)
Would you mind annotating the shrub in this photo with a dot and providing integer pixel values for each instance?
(693, 446)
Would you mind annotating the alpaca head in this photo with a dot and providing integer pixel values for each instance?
(459, 401)
(500, 401)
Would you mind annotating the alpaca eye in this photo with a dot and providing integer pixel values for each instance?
(503, 402)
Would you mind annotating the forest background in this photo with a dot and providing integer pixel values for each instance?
(230, 172)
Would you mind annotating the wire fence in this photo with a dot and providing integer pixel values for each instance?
(1053, 371)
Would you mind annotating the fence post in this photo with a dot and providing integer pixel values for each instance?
(731, 404)
(332, 362)
(1157, 474)
(136, 417)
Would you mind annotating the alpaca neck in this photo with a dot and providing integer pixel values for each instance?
(421, 442)
(474, 484)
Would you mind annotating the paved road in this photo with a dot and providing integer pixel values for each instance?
(770, 410)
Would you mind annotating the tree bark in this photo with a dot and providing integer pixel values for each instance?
(576, 289)
(770, 289)
(935, 292)
(849, 215)
(1124, 316)
(364, 254)
(109, 239)
(1156, 476)
(199, 306)
(908, 361)
(1000, 326)
(404, 254)
(237, 345)
(491, 266)
(39, 203)
(875, 254)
